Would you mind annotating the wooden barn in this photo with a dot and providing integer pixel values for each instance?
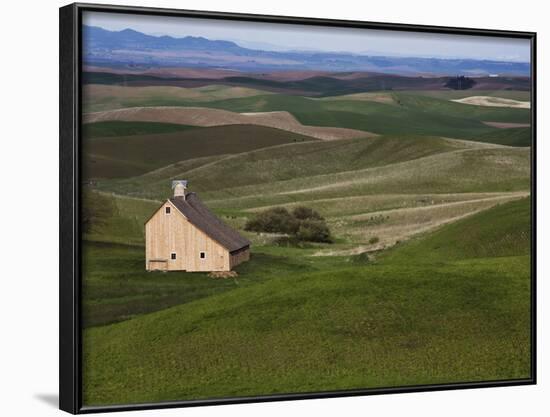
(183, 235)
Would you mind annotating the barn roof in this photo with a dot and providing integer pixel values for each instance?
(199, 215)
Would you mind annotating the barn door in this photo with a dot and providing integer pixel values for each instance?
(158, 265)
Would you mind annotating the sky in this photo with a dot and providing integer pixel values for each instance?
(284, 37)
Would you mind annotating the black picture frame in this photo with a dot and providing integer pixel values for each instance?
(70, 349)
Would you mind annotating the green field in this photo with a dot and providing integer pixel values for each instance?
(268, 178)
(408, 113)
(316, 85)
(344, 324)
(118, 128)
(427, 280)
(518, 136)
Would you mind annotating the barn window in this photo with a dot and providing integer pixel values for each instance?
(203, 255)
(172, 255)
(167, 210)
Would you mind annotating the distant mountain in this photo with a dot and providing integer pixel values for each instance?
(98, 38)
(132, 48)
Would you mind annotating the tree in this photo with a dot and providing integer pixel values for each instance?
(460, 83)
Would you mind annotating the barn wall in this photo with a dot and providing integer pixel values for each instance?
(167, 233)
(239, 258)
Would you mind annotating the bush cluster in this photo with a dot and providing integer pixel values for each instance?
(302, 223)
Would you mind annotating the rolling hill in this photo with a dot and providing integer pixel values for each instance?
(203, 116)
(312, 84)
(395, 114)
(99, 97)
(497, 232)
(470, 170)
(308, 159)
(122, 128)
(362, 325)
(425, 191)
(517, 136)
(126, 156)
(440, 166)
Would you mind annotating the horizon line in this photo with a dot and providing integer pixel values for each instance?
(365, 54)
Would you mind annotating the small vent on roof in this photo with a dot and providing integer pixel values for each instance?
(179, 187)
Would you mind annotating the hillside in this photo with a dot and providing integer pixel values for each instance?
(122, 128)
(385, 201)
(407, 114)
(359, 321)
(501, 231)
(516, 136)
(308, 83)
(126, 156)
(308, 159)
(209, 117)
(99, 97)
(388, 188)
(461, 171)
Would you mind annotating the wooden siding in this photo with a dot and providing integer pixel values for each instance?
(157, 265)
(173, 233)
(238, 258)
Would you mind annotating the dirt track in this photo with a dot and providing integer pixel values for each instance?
(411, 221)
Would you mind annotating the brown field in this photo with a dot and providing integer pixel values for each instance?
(494, 102)
(289, 75)
(199, 116)
(217, 74)
(169, 72)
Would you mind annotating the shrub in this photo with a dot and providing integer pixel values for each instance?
(376, 220)
(305, 213)
(274, 220)
(314, 231)
(302, 225)
(374, 240)
(361, 258)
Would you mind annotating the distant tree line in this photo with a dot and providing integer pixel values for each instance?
(302, 224)
(460, 82)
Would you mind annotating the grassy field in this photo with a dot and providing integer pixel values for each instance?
(465, 171)
(350, 324)
(458, 94)
(121, 128)
(316, 85)
(101, 97)
(517, 136)
(314, 170)
(427, 280)
(294, 160)
(405, 113)
(130, 155)
(413, 114)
